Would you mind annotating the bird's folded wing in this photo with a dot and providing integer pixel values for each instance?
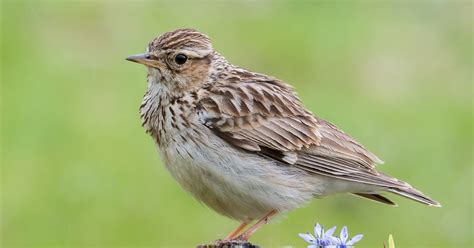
(267, 118)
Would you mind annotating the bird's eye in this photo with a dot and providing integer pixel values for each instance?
(180, 59)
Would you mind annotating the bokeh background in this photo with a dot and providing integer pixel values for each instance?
(78, 170)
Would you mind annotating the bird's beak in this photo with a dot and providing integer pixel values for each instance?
(146, 59)
(142, 58)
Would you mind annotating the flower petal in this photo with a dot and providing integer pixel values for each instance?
(329, 232)
(344, 235)
(332, 240)
(355, 239)
(308, 238)
(318, 230)
(313, 246)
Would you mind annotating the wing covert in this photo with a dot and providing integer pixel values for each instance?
(259, 114)
(266, 117)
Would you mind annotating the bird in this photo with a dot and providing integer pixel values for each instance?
(242, 142)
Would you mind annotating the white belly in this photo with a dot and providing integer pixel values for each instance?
(238, 184)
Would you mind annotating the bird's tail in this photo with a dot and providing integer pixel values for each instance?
(413, 194)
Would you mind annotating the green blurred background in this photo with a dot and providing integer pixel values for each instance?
(78, 170)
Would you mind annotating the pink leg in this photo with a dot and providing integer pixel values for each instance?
(246, 235)
(236, 232)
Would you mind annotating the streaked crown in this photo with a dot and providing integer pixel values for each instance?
(188, 39)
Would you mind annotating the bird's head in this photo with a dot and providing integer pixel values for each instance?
(180, 60)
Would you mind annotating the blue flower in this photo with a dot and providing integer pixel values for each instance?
(342, 241)
(325, 239)
(321, 239)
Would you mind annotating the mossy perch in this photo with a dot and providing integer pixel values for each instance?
(230, 244)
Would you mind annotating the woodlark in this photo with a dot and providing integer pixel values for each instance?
(242, 142)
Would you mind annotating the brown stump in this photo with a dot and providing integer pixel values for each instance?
(230, 244)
